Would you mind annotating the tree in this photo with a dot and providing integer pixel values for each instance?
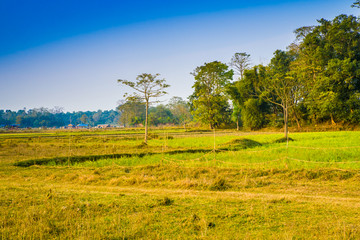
(279, 86)
(253, 117)
(96, 117)
(147, 86)
(132, 112)
(160, 115)
(245, 96)
(180, 110)
(240, 62)
(57, 110)
(208, 102)
(234, 92)
(236, 115)
(19, 119)
(328, 63)
(356, 4)
(84, 118)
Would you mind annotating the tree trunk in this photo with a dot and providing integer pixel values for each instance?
(146, 121)
(297, 120)
(286, 121)
(237, 123)
(332, 120)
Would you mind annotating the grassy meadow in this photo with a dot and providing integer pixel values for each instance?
(106, 184)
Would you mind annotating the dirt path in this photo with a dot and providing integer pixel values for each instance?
(225, 195)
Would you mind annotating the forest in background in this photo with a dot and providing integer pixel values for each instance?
(316, 80)
(43, 117)
(125, 115)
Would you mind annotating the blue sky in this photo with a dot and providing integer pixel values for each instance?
(70, 53)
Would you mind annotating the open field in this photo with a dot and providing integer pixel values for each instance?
(192, 185)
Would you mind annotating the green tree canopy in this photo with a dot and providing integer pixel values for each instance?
(208, 102)
(132, 112)
(280, 86)
(160, 115)
(328, 63)
(180, 110)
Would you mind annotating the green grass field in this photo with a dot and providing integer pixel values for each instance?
(182, 185)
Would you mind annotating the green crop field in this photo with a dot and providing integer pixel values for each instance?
(182, 185)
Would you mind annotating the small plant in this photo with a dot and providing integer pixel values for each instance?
(166, 201)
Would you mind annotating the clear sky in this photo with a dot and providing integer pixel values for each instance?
(70, 53)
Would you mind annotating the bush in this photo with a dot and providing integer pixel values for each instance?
(253, 117)
(242, 143)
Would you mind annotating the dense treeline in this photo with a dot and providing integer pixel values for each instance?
(43, 117)
(176, 112)
(316, 80)
(127, 114)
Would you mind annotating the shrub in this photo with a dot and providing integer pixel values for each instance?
(253, 117)
(242, 143)
(166, 201)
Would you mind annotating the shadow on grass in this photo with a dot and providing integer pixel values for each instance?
(284, 140)
(80, 159)
(240, 144)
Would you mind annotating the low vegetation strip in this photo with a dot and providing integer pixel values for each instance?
(334, 162)
(325, 148)
(80, 159)
(252, 163)
(165, 156)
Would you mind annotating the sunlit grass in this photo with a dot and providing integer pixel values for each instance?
(308, 150)
(305, 189)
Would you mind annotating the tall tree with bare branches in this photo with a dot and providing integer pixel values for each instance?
(147, 86)
(240, 62)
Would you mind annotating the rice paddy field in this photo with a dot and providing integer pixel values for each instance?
(181, 185)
